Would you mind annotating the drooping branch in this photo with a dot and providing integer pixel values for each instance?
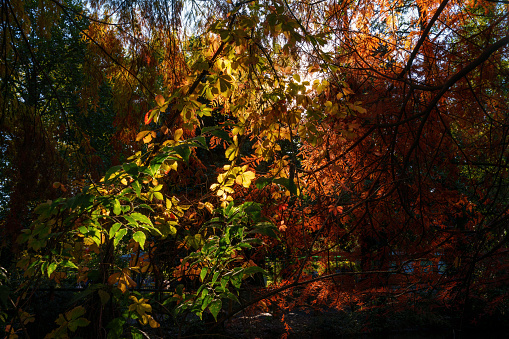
(448, 84)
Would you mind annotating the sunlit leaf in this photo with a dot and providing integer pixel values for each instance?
(114, 229)
(116, 207)
(140, 237)
(118, 236)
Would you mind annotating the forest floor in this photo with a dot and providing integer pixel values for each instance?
(326, 324)
(297, 324)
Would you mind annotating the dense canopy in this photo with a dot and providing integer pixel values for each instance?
(167, 158)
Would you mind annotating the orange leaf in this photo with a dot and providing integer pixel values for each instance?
(148, 119)
(160, 100)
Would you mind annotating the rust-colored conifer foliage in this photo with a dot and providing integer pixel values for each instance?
(353, 152)
(410, 187)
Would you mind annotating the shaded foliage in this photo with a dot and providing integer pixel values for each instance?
(352, 153)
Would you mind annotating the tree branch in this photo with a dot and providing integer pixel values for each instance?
(423, 38)
(449, 83)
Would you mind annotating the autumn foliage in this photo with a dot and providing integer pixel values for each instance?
(347, 155)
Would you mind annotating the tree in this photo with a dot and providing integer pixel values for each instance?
(364, 148)
(402, 175)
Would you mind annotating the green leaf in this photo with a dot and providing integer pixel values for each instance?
(137, 188)
(224, 281)
(118, 236)
(51, 268)
(72, 325)
(135, 333)
(140, 238)
(201, 142)
(146, 206)
(215, 307)
(159, 159)
(167, 229)
(84, 201)
(68, 263)
(131, 221)
(224, 242)
(222, 135)
(265, 228)
(236, 280)
(115, 328)
(253, 270)
(232, 296)
(42, 208)
(229, 210)
(184, 151)
(208, 129)
(81, 322)
(114, 229)
(283, 182)
(254, 210)
(104, 296)
(141, 218)
(195, 241)
(75, 313)
(203, 273)
(262, 182)
(214, 278)
(116, 207)
(112, 171)
(131, 168)
(206, 301)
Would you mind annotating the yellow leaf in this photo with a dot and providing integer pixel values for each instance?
(232, 152)
(172, 165)
(168, 203)
(140, 306)
(209, 207)
(245, 178)
(360, 109)
(178, 134)
(228, 189)
(88, 241)
(152, 322)
(142, 135)
(148, 137)
(238, 130)
(238, 179)
(123, 279)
